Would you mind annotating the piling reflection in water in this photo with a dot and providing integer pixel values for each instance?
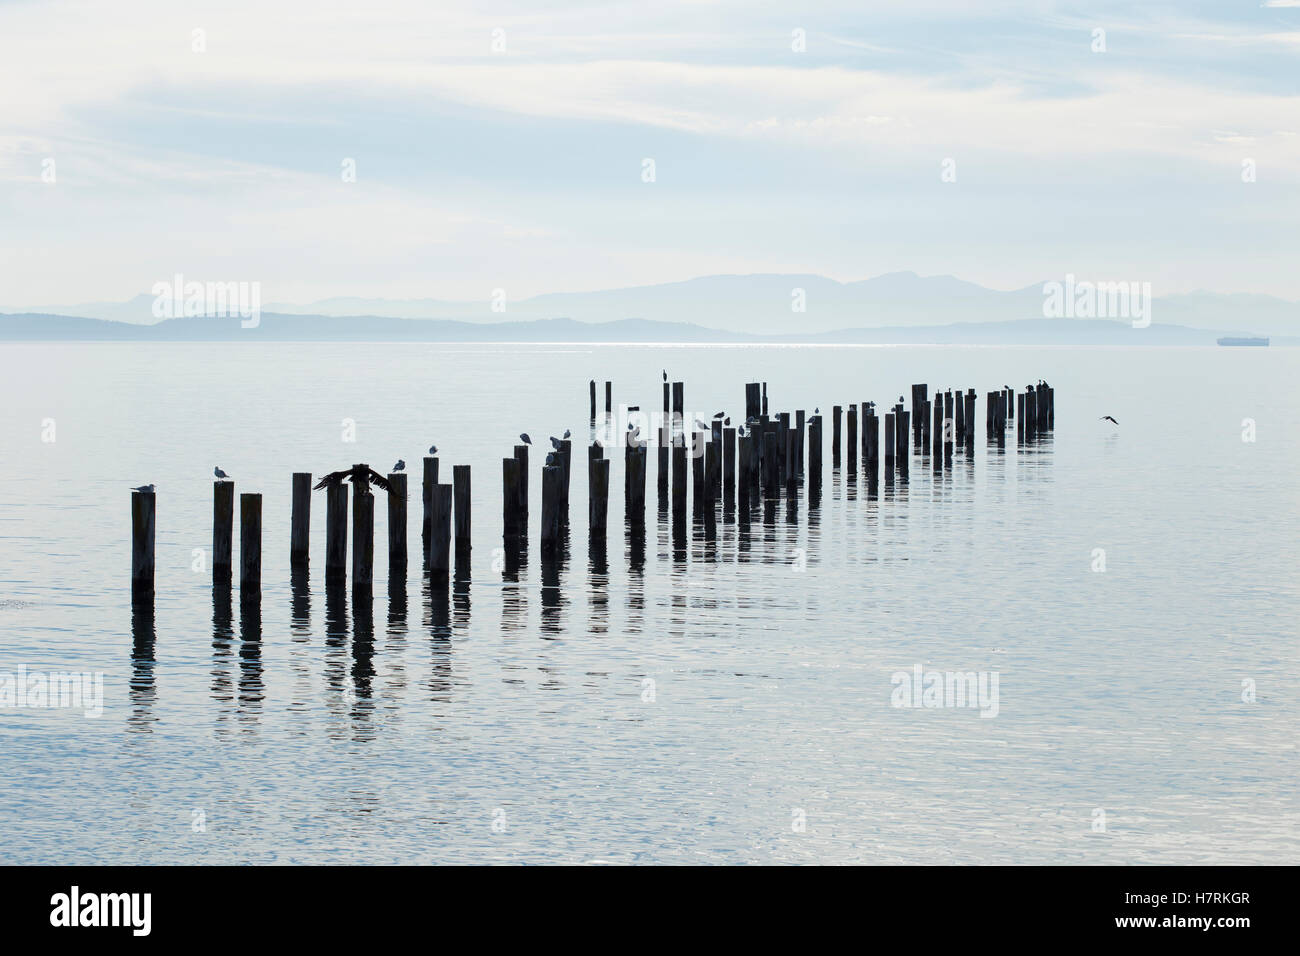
(363, 664)
(143, 640)
(437, 601)
(223, 639)
(251, 688)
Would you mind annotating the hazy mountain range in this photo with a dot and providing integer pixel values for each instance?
(894, 308)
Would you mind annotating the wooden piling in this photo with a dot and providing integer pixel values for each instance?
(440, 532)
(800, 424)
(698, 490)
(223, 530)
(871, 442)
(564, 458)
(336, 531)
(521, 455)
(142, 542)
(679, 481)
(460, 501)
(512, 521)
(300, 520)
(728, 468)
(851, 439)
(609, 398)
(593, 401)
(901, 450)
(634, 506)
(552, 482)
(426, 495)
(835, 436)
(753, 401)
(250, 542)
(363, 536)
(891, 434)
(397, 523)
(598, 486)
(814, 452)
(771, 466)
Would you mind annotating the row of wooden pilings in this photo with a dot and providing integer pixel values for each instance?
(768, 456)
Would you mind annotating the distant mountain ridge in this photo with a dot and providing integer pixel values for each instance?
(278, 327)
(763, 304)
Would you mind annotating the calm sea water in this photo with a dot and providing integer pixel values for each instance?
(710, 705)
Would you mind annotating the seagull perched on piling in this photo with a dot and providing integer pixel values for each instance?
(567, 434)
(556, 443)
(550, 458)
(1107, 418)
(147, 489)
(523, 437)
(221, 475)
(358, 474)
(433, 449)
(665, 375)
(701, 426)
(400, 466)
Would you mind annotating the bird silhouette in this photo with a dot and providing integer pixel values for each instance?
(567, 434)
(665, 375)
(356, 474)
(727, 420)
(700, 425)
(550, 458)
(147, 489)
(400, 466)
(433, 449)
(221, 475)
(1107, 418)
(556, 443)
(523, 437)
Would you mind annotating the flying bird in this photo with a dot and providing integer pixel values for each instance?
(433, 449)
(220, 474)
(147, 489)
(523, 437)
(400, 466)
(357, 474)
(1107, 418)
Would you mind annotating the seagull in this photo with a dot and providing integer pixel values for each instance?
(567, 433)
(357, 473)
(817, 411)
(719, 414)
(400, 466)
(220, 474)
(700, 425)
(147, 489)
(665, 375)
(433, 449)
(1107, 418)
(550, 458)
(556, 443)
(727, 420)
(523, 437)
(741, 431)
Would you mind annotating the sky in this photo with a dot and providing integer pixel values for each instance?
(505, 145)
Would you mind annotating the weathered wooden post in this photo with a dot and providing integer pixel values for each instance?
(363, 533)
(679, 480)
(698, 490)
(665, 442)
(835, 436)
(223, 530)
(871, 442)
(960, 410)
(564, 458)
(250, 542)
(970, 420)
(397, 524)
(598, 485)
(926, 413)
(901, 449)
(713, 469)
(511, 519)
(521, 455)
(937, 452)
(440, 533)
(800, 424)
(949, 426)
(336, 531)
(300, 520)
(771, 466)
(460, 495)
(609, 399)
(142, 543)
(426, 493)
(764, 410)
(1020, 417)
(728, 468)
(851, 439)
(552, 482)
(635, 506)
(891, 434)
(815, 451)
(753, 401)
(593, 401)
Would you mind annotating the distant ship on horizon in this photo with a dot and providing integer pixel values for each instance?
(1231, 340)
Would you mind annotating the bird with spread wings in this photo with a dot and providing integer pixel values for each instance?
(357, 473)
